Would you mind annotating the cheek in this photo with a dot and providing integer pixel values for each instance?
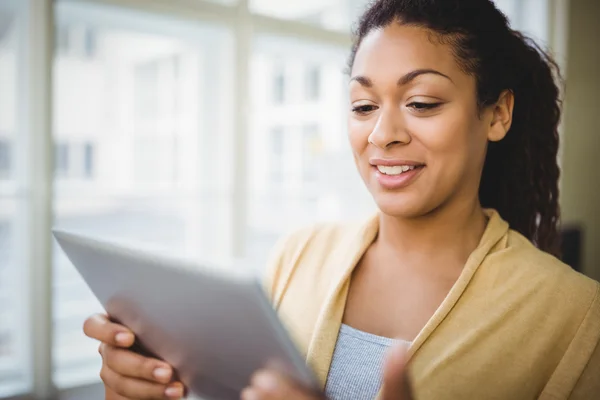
(358, 134)
(449, 140)
(441, 136)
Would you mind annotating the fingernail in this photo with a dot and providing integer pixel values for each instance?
(123, 337)
(162, 373)
(175, 391)
(267, 381)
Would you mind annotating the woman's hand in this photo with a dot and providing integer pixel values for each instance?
(126, 374)
(269, 385)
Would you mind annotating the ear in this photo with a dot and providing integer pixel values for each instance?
(502, 113)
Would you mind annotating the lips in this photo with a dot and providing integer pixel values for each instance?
(395, 169)
(394, 174)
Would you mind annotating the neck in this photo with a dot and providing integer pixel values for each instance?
(451, 232)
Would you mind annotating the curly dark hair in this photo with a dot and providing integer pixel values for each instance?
(520, 174)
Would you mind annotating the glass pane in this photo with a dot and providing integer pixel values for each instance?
(140, 126)
(530, 16)
(301, 168)
(13, 330)
(13, 374)
(8, 82)
(330, 14)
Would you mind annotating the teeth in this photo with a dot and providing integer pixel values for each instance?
(394, 170)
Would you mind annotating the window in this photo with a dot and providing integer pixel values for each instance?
(339, 15)
(13, 325)
(76, 40)
(75, 161)
(158, 87)
(277, 165)
(317, 162)
(279, 84)
(313, 83)
(146, 89)
(8, 76)
(88, 160)
(311, 152)
(89, 42)
(530, 17)
(148, 169)
(5, 158)
(12, 363)
(330, 14)
(61, 159)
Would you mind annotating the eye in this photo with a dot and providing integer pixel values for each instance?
(364, 109)
(421, 107)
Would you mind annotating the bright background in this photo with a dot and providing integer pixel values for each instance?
(203, 128)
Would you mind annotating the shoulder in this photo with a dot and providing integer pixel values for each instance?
(565, 305)
(545, 272)
(309, 247)
(532, 279)
(549, 314)
(512, 261)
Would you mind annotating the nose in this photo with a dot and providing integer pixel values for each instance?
(390, 129)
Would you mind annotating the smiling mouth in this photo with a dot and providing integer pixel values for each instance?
(396, 170)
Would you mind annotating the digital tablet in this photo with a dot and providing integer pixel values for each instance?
(215, 329)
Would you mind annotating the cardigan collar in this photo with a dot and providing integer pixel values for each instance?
(344, 259)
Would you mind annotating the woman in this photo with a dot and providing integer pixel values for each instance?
(453, 128)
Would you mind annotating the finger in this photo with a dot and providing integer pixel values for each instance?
(109, 394)
(139, 389)
(396, 384)
(269, 385)
(132, 365)
(100, 328)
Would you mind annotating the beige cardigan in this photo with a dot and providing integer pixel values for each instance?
(517, 324)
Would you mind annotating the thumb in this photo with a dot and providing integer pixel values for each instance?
(396, 384)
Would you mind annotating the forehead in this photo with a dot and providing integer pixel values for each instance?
(398, 49)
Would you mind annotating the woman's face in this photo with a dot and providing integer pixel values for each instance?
(417, 137)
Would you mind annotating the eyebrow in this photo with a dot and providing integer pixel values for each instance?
(409, 77)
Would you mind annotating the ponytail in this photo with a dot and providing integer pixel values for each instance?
(521, 172)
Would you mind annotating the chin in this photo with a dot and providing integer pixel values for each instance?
(401, 205)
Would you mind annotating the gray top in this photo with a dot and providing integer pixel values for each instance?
(357, 365)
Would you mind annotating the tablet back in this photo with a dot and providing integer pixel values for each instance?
(216, 330)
